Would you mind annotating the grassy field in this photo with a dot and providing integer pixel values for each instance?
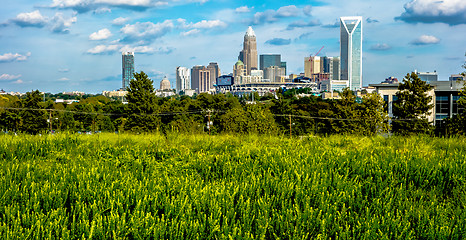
(111, 186)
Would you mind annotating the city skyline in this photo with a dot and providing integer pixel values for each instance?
(63, 45)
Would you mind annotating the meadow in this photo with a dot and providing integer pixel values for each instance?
(122, 186)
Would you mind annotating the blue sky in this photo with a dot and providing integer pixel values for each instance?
(68, 45)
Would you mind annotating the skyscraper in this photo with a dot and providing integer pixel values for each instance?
(200, 79)
(269, 60)
(351, 51)
(128, 68)
(334, 68)
(311, 66)
(182, 79)
(214, 73)
(249, 53)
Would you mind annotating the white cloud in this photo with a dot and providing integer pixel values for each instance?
(307, 10)
(104, 49)
(120, 21)
(380, 47)
(30, 19)
(61, 24)
(64, 79)
(425, 40)
(10, 57)
(243, 9)
(201, 24)
(8, 77)
(57, 24)
(19, 81)
(146, 31)
(102, 10)
(452, 12)
(190, 32)
(209, 24)
(137, 49)
(100, 35)
(273, 16)
(89, 5)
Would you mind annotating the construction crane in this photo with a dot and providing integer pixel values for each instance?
(310, 57)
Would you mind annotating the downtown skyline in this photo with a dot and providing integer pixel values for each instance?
(64, 45)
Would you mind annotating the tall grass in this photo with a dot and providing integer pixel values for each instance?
(179, 186)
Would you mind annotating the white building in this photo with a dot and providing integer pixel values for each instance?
(182, 79)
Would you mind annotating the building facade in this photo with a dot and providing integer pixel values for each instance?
(351, 51)
(269, 60)
(249, 53)
(214, 73)
(200, 79)
(311, 66)
(239, 70)
(274, 74)
(335, 68)
(127, 68)
(182, 79)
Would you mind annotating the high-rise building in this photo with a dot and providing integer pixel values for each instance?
(269, 60)
(325, 64)
(311, 66)
(214, 73)
(351, 51)
(335, 68)
(200, 79)
(283, 65)
(128, 68)
(182, 79)
(249, 53)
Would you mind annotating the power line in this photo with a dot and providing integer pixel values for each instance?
(198, 112)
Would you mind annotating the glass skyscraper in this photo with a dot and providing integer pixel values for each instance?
(269, 60)
(128, 68)
(351, 51)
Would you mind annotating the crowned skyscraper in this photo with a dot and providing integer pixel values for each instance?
(249, 53)
(351, 51)
(127, 68)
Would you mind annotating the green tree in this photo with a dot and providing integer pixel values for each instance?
(33, 120)
(374, 118)
(412, 106)
(142, 105)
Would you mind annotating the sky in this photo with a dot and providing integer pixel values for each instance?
(75, 45)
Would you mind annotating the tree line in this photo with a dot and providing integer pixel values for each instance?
(282, 113)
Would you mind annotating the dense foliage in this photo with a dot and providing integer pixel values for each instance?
(286, 111)
(117, 186)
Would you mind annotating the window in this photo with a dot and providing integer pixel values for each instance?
(442, 105)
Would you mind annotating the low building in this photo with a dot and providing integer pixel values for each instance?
(117, 93)
(445, 96)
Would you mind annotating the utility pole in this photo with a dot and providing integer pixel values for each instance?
(290, 125)
(50, 120)
(208, 123)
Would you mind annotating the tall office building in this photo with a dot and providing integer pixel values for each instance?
(311, 66)
(334, 68)
(269, 60)
(128, 68)
(182, 79)
(214, 73)
(351, 51)
(200, 79)
(249, 53)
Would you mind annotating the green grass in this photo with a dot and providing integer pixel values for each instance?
(178, 186)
